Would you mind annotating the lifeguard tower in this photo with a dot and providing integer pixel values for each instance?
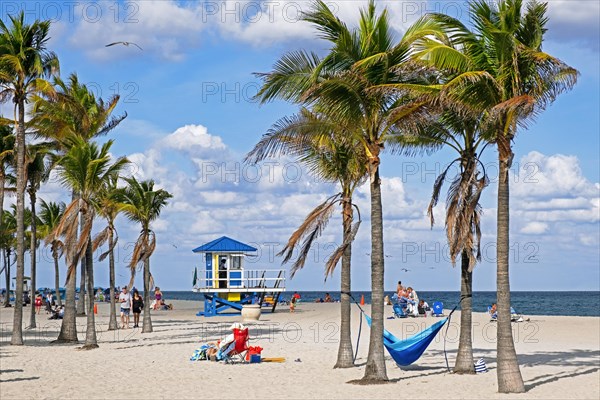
(227, 284)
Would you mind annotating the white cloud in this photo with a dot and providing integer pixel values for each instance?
(193, 139)
(575, 21)
(534, 228)
(170, 30)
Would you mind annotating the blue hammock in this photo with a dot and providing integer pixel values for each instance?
(407, 351)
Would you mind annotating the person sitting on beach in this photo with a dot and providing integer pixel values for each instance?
(413, 302)
(319, 300)
(423, 307)
(164, 306)
(58, 313)
(328, 298)
(158, 297)
(493, 310)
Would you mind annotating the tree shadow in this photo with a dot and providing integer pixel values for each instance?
(6, 371)
(32, 378)
(548, 378)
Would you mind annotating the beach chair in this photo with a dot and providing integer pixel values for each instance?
(438, 309)
(399, 311)
(240, 349)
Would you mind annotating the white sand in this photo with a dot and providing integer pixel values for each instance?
(559, 357)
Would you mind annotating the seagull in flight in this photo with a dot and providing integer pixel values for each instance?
(173, 245)
(404, 269)
(124, 44)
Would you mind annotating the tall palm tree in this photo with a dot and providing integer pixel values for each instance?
(322, 144)
(36, 172)
(502, 71)
(84, 169)
(108, 207)
(140, 202)
(7, 147)
(7, 244)
(342, 82)
(24, 61)
(50, 215)
(73, 112)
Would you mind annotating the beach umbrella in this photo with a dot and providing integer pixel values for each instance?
(195, 276)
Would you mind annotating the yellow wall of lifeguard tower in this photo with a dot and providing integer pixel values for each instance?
(227, 296)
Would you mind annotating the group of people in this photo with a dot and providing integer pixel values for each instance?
(133, 302)
(326, 299)
(408, 300)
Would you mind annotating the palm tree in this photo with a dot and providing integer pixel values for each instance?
(7, 146)
(320, 143)
(108, 208)
(50, 215)
(85, 169)
(502, 71)
(73, 112)
(7, 244)
(141, 203)
(343, 82)
(24, 61)
(36, 172)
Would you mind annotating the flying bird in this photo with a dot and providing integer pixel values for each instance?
(173, 245)
(124, 44)
(404, 269)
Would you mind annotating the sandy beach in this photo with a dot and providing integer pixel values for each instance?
(559, 358)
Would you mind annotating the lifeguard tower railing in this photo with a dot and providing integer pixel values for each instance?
(241, 281)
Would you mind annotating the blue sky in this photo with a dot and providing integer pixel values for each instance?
(191, 120)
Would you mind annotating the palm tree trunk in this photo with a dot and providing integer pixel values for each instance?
(508, 375)
(68, 328)
(345, 354)
(375, 368)
(17, 332)
(91, 341)
(81, 302)
(147, 322)
(464, 359)
(32, 257)
(7, 274)
(56, 278)
(112, 320)
(2, 181)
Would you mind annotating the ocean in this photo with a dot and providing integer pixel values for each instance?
(583, 304)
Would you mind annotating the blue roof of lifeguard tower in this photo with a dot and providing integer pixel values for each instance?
(223, 245)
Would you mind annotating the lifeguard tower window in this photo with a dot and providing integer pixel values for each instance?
(236, 262)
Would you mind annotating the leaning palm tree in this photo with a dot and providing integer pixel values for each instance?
(502, 71)
(342, 82)
(50, 215)
(73, 112)
(24, 61)
(322, 144)
(108, 208)
(84, 169)
(140, 202)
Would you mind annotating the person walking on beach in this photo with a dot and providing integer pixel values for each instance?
(38, 303)
(293, 303)
(125, 300)
(137, 306)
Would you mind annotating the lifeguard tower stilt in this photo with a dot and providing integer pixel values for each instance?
(226, 284)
